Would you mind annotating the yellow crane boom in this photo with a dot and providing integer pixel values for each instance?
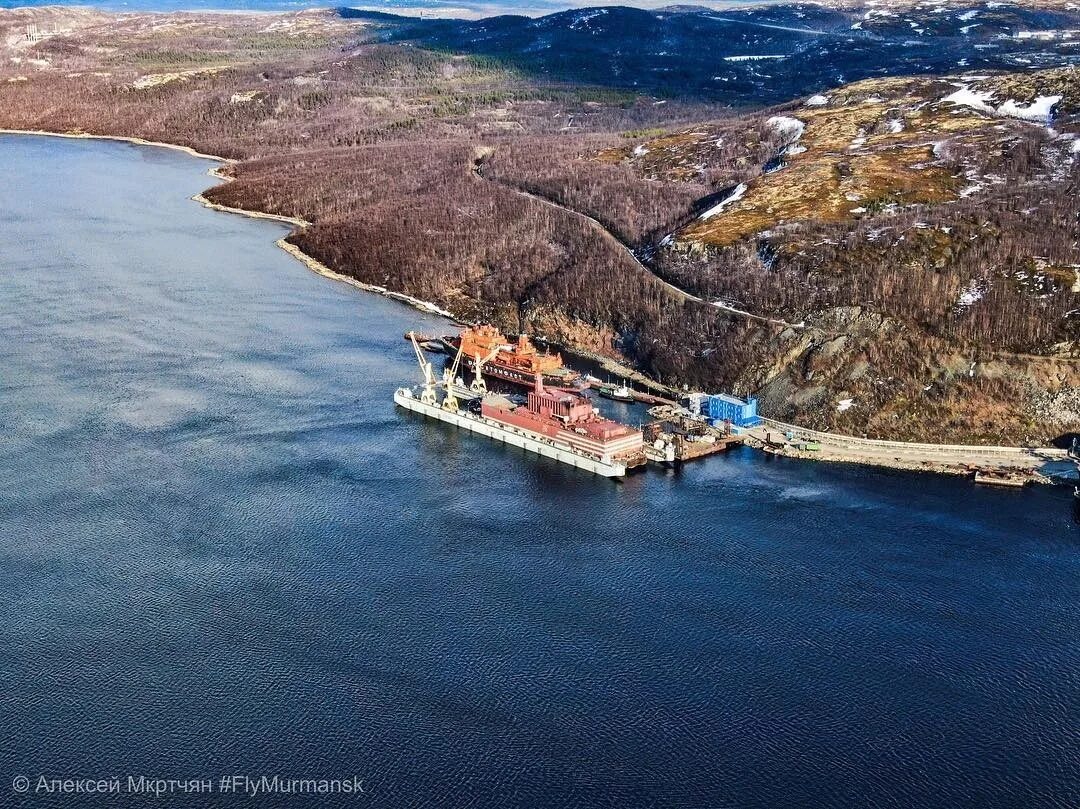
(428, 394)
(478, 385)
(450, 401)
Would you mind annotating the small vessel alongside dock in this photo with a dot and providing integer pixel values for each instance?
(1013, 480)
(617, 393)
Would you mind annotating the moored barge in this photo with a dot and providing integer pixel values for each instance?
(555, 423)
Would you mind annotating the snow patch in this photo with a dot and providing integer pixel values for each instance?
(737, 193)
(972, 293)
(791, 129)
(244, 97)
(1040, 110)
(817, 101)
(966, 97)
(582, 18)
(844, 404)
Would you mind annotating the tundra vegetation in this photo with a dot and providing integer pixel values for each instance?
(906, 243)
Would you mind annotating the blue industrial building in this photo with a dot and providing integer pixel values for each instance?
(719, 407)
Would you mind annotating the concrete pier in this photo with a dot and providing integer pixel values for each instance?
(1035, 464)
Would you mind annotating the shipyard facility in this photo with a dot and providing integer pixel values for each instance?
(558, 423)
(557, 417)
(722, 410)
(547, 408)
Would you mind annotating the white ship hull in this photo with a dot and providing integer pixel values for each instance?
(514, 436)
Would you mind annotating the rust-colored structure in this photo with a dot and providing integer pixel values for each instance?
(516, 361)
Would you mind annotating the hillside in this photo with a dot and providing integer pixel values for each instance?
(917, 234)
(753, 56)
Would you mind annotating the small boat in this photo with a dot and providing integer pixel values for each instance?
(997, 479)
(620, 393)
(432, 344)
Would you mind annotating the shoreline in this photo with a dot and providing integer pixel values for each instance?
(120, 139)
(952, 468)
(1049, 465)
(310, 262)
(317, 267)
(313, 263)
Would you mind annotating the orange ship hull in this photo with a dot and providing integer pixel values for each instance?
(517, 362)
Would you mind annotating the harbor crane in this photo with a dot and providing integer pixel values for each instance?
(478, 385)
(428, 394)
(450, 401)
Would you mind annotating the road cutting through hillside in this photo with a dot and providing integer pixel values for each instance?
(605, 233)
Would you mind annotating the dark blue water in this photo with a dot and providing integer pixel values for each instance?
(223, 551)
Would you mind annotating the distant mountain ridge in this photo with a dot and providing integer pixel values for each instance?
(765, 54)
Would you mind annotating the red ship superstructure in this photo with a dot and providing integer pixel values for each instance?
(518, 362)
(568, 417)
